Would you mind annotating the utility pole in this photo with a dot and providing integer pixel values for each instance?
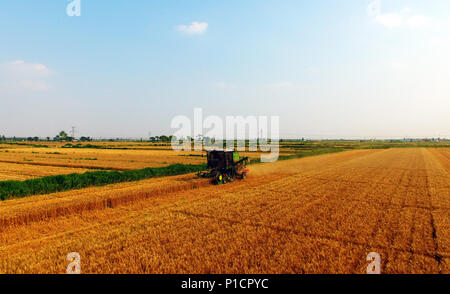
(73, 133)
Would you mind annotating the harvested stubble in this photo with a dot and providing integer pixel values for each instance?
(38, 208)
(313, 215)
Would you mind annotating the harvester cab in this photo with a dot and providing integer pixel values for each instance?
(225, 166)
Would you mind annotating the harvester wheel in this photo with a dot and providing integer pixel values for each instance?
(228, 178)
(244, 175)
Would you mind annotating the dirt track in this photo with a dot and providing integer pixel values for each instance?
(315, 215)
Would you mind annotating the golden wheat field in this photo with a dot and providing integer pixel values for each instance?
(320, 214)
(114, 159)
(101, 158)
(14, 171)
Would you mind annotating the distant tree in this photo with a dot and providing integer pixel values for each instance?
(199, 137)
(85, 139)
(62, 136)
(207, 140)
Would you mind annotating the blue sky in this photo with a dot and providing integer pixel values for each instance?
(329, 69)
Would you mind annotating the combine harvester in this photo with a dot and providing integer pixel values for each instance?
(225, 166)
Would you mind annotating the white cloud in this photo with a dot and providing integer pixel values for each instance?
(406, 10)
(195, 28)
(34, 85)
(313, 70)
(19, 74)
(280, 85)
(418, 21)
(223, 85)
(396, 19)
(22, 68)
(389, 20)
(396, 66)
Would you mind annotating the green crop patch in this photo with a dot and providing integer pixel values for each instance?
(52, 184)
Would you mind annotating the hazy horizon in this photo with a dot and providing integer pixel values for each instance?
(328, 69)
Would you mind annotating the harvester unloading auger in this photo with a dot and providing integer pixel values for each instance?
(225, 166)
